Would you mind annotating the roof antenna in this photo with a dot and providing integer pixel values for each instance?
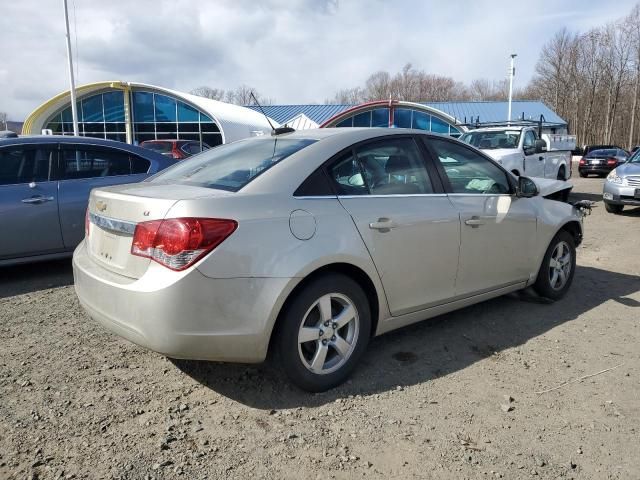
(274, 131)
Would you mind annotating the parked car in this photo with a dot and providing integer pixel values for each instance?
(601, 162)
(311, 243)
(44, 189)
(623, 185)
(589, 148)
(178, 149)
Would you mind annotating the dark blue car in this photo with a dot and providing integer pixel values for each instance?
(44, 189)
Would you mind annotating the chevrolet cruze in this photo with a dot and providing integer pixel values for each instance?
(312, 242)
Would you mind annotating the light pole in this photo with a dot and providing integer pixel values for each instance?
(74, 110)
(512, 72)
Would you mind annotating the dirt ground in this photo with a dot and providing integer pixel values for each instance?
(456, 397)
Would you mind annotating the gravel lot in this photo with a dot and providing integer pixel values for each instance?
(456, 397)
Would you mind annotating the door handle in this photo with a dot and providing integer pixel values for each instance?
(383, 225)
(540, 158)
(37, 200)
(474, 222)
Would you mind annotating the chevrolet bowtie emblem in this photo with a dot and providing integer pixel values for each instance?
(101, 206)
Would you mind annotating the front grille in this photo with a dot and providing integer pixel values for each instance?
(633, 181)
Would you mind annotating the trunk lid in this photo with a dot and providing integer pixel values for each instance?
(114, 213)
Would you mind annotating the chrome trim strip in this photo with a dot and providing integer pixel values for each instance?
(396, 195)
(112, 224)
(481, 194)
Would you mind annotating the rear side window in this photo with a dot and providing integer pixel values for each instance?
(386, 167)
(139, 165)
(230, 167)
(92, 162)
(26, 165)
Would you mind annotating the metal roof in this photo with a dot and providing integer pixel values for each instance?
(486, 111)
(317, 113)
(497, 111)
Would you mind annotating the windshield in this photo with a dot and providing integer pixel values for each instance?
(602, 153)
(230, 167)
(635, 158)
(493, 139)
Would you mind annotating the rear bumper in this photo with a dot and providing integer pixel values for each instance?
(599, 169)
(182, 314)
(616, 194)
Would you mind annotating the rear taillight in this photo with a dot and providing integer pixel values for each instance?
(87, 221)
(611, 161)
(178, 243)
(582, 161)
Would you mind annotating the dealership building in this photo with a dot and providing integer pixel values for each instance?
(133, 112)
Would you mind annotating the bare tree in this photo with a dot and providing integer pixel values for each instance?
(3, 120)
(240, 96)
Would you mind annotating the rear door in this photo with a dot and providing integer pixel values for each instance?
(498, 229)
(408, 224)
(84, 167)
(28, 201)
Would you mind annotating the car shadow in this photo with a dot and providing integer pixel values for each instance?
(426, 350)
(32, 277)
(577, 196)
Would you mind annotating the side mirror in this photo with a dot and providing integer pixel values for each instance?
(527, 188)
(540, 146)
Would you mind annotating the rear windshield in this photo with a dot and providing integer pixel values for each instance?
(230, 167)
(158, 146)
(602, 153)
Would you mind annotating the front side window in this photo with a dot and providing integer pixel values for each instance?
(232, 166)
(26, 165)
(467, 171)
(387, 167)
(91, 162)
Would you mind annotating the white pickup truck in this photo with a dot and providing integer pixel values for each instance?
(520, 150)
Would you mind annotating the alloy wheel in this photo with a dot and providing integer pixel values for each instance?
(560, 266)
(328, 333)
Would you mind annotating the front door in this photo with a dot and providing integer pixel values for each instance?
(28, 202)
(498, 229)
(533, 162)
(410, 229)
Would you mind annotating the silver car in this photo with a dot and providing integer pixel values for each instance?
(310, 243)
(622, 186)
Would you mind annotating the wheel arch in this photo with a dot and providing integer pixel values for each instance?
(348, 269)
(574, 228)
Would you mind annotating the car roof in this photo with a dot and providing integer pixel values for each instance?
(69, 139)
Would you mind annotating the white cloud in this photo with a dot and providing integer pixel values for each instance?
(292, 51)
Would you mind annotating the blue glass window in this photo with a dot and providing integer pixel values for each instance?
(402, 118)
(113, 106)
(143, 107)
(421, 120)
(187, 113)
(92, 109)
(380, 117)
(347, 122)
(205, 119)
(165, 109)
(439, 126)
(362, 120)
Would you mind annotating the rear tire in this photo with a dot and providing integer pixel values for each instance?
(582, 174)
(317, 347)
(611, 208)
(558, 267)
(561, 173)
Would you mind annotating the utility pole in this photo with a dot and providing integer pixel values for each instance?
(512, 72)
(74, 109)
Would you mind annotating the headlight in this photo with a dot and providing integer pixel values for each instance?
(614, 178)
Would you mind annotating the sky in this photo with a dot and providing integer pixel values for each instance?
(291, 51)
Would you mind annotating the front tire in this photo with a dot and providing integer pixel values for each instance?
(558, 267)
(611, 208)
(324, 332)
